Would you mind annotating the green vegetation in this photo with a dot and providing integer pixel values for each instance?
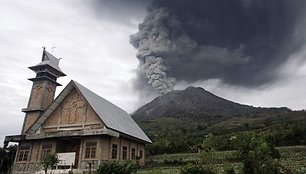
(7, 156)
(159, 170)
(196, 169)
(222, 136)
(116, 167)
(186, 134)
(257, 155)
(292, 161)
(50, 160)
(254, 152)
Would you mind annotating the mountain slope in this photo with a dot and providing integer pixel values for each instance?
(196, 102)
(178, 121)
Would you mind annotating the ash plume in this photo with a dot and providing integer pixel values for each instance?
(152, 40)
(240, 42)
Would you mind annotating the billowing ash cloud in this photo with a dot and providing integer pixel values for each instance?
(241, 42)
(151, 41)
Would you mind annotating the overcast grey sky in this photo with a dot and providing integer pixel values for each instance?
(93, 40)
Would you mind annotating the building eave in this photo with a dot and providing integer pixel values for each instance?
(71, 133)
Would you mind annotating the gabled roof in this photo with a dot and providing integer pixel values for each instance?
(49, 59)
(112, 116)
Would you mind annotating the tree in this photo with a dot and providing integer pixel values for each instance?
(208, 143)
(49, 160)
(7, 156)
(208, 146)
(258, 156)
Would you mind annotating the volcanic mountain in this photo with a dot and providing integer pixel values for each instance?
(177, 122)
(195, 102)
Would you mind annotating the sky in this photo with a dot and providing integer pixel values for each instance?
(130, 51)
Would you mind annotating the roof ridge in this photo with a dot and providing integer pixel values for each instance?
(51, 58)
(111, 115)
(78, 84)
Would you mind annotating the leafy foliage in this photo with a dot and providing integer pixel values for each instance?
(49, 160)
(195, 169)
(116, 167)
(173, 134)
(171, 162)
(229, 170)
(292, 161)
(7, 156)
(257, 155)
(179, 120)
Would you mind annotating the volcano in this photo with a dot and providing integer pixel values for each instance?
(196, 102)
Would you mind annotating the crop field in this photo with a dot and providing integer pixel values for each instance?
(293, 157)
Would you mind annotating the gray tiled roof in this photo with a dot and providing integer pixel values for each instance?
(114, 117)
(49, 59)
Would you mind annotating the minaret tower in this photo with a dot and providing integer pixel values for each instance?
(43, 89)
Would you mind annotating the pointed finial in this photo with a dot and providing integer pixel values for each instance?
(43, 53)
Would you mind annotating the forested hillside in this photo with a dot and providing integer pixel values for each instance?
(180, 120)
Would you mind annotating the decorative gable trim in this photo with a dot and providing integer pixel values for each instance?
(113, 117)
(37, 124)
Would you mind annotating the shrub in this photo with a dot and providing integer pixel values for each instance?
(116, 167)
(6, 158)
(196, 169)
(174, 162)
(49, 161)
(257, 155)
(229, 170)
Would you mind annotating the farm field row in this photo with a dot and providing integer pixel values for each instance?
(293, 157)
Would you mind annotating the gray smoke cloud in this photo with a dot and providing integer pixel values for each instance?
(152, 40)
(240, 42)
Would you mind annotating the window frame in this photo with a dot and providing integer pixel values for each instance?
(124, 153)
(140, 154)
(24, 153)
(133, 153)
(46, 149)
(114, 154)
(90, 150)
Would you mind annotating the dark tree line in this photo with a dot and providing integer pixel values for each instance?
(7, 156)
(181, 140)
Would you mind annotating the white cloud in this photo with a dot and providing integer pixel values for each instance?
(95, 51)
